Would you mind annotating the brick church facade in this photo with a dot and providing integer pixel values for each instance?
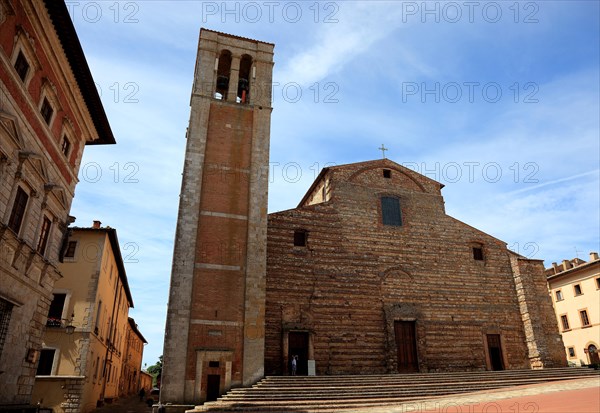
(367, 275)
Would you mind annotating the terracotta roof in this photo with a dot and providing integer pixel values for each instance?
(234, 36)
(134, 327)
(72, 48)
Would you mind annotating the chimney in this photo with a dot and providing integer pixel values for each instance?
(566, 265)
(555, 267)
(96, 224)
(593, 256)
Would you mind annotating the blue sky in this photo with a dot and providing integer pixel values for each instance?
(497, 100)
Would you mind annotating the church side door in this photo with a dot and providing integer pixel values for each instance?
(406, 343)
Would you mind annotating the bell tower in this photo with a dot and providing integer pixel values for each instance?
(214, 336)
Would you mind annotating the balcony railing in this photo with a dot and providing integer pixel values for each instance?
(54, 322)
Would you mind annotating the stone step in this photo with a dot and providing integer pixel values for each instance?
(329, 393)
(407, 388)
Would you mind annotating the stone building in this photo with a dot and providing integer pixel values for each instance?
(575, 292)
(91, 347)
(49, 110)
(367, 275)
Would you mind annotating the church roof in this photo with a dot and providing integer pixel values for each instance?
(357, 166)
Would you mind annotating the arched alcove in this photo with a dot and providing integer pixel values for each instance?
(223, 75)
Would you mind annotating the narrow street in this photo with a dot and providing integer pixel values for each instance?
(130, 404)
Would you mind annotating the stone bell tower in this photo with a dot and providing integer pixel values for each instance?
(215, 321)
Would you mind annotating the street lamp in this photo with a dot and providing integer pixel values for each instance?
(70, 328)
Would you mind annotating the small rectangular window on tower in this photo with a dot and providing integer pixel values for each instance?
(213, 364)
(478, 253)
(577, 289)
(387, 173)
(300, 237)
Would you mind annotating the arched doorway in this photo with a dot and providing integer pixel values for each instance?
(593, 356)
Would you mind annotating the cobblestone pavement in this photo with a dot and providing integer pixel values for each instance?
(126, 405)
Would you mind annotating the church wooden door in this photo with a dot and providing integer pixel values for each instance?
(406, 343)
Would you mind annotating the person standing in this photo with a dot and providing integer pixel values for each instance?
(294, 364)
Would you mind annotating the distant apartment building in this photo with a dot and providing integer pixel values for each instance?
(575, 291)
(92, 350)
(49, 111)
(134, 352)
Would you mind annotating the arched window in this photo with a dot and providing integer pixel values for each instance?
(223, 74)
(243, 93)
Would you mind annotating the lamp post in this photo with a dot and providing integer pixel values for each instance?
(70, 328)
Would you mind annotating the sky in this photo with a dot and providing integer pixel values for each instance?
(497, 100)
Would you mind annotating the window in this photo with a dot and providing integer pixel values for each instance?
(22, 66)
(577, 289)
(598, 283)
(46, 362)
(300, 238)
(571, 351)
(5, 312)
(66, 146)
(387, 173)
(559, 295)
(565, 322)
(478, 253)
(390, 211)
(44, 234)
(47, 111)
(585, 321)
(70, 252)
(18, 211)
(96, 368)
(213, 364)
(56, 310)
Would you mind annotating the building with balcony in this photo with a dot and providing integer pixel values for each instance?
(91, 347)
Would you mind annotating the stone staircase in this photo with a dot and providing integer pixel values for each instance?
(302, 394)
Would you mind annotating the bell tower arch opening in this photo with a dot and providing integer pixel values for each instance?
(223, 74)
(243, 93)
